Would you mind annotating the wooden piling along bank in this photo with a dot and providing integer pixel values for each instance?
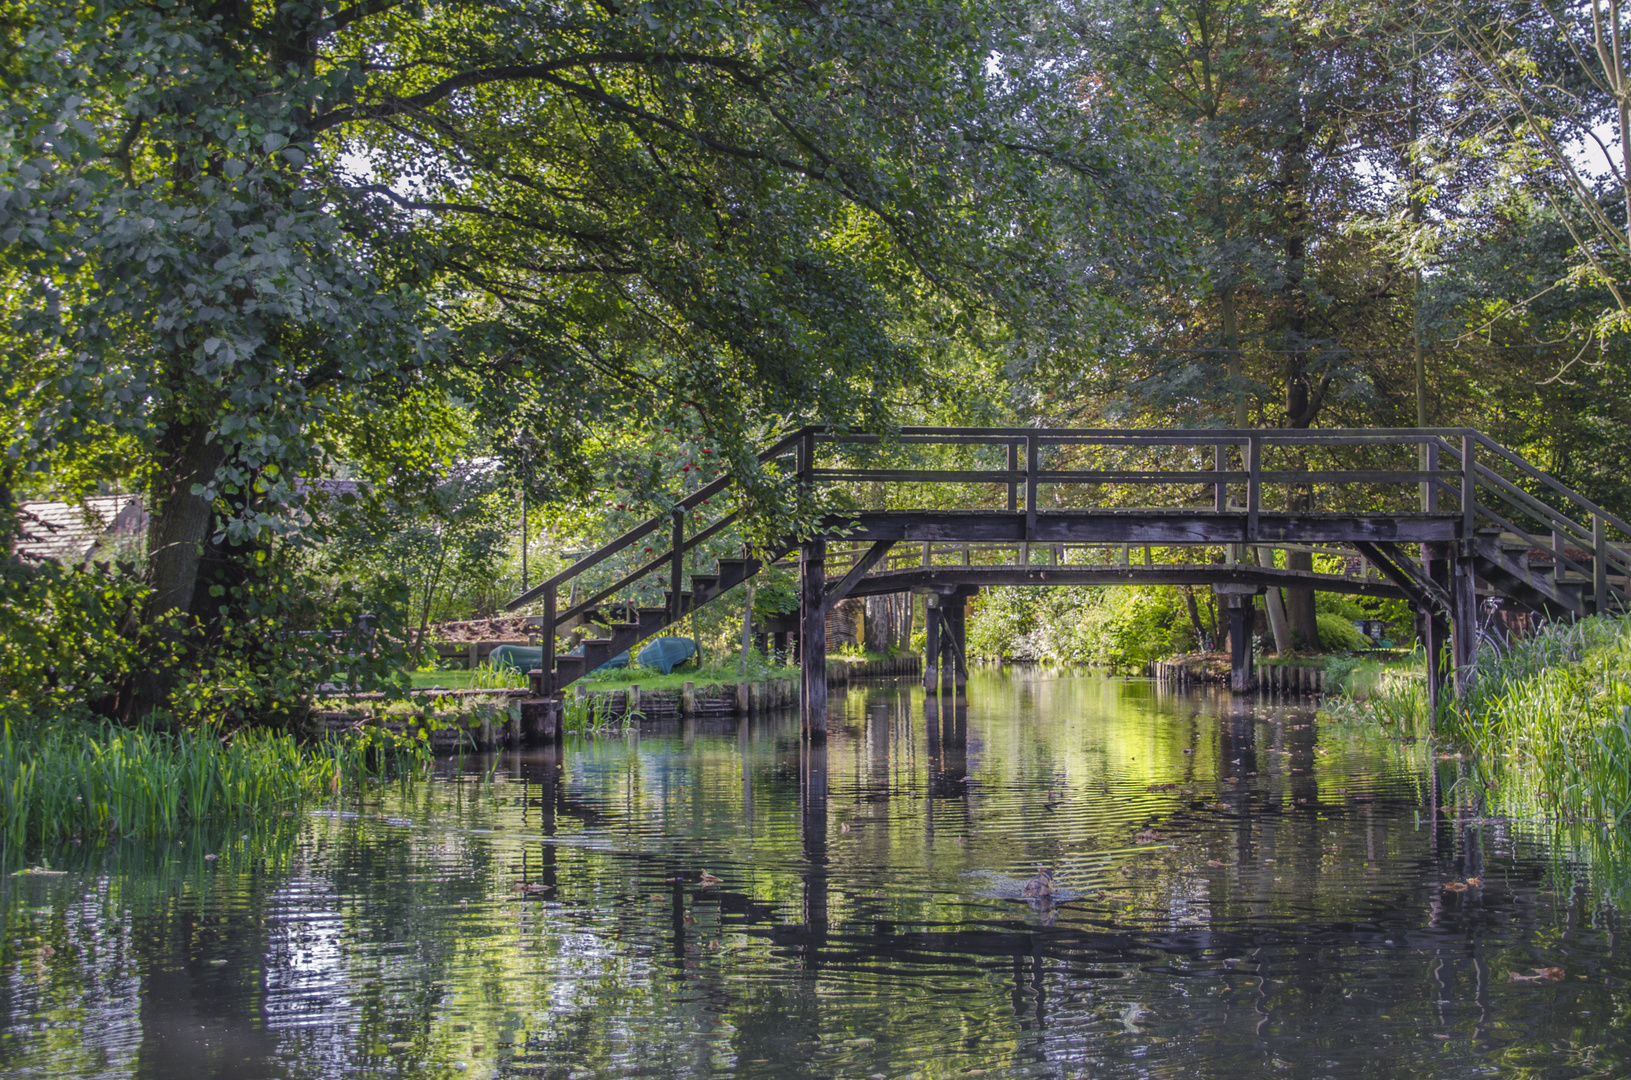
(523, 719)
(530, 720)
(1281, 678)
(741, 698)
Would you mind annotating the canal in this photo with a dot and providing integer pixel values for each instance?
(1241, 890)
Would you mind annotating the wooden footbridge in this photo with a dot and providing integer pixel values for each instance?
(1439, 517)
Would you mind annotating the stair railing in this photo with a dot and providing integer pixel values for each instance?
(1608, 560)
(548, 590)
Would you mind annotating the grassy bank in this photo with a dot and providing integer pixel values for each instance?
(1552, 716)
(483, 678)
(728, 671)
(82, 780)
(1546, 728)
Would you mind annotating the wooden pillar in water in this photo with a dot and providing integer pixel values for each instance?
(813, 807)
(813, 636)
(1240, 643)
(1463, 623)
(931, 647)
(1435, 628)
(957, 625)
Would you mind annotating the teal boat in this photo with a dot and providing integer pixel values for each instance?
(662, 654)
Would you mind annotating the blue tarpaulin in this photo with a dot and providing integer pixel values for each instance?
(663, 654)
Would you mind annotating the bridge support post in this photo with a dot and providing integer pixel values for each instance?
(1463, 623)
(957, 624)
(1435, 628)
(931, 647)
(1240, 643)
(813, 637)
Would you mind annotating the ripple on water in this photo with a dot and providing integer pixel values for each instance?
(1241, 891)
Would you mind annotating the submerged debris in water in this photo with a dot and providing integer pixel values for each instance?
(1541, 974)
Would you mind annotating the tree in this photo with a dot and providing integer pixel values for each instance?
(234, 232)
(1555, 82)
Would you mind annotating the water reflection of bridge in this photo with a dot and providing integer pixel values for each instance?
(1045, 957)
(1439, 517)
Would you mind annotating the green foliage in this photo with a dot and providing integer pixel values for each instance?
(245, 247)
(1555, 711)
(775, 592)
(81, 780)
(1114, 627)
(1546, 727)
(1338, 634)
(62, 645)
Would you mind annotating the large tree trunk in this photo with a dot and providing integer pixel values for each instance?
(1302, 401)
(1300, 604)
(181, 521)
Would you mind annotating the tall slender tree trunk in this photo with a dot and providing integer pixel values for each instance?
(1195, 617)
(1301, 404)
(430, 595)
(1237, 368)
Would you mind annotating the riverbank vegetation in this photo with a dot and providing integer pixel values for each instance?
(87, 781)
(1126, 627)
(1545, 729)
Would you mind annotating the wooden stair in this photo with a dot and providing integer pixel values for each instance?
(624, 634)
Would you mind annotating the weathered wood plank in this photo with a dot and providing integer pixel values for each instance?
(1138, 527)
(940, 578)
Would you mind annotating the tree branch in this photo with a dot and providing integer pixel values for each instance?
(392, 105)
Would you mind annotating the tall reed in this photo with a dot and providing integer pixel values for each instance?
(1553, 714)
(78, 779)
(1547, 721)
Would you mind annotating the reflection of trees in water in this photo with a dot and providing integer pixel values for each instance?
(369, 945)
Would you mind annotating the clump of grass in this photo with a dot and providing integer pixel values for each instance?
(79, 779)
(589, 716)
(1547, 722)
(1553, 714)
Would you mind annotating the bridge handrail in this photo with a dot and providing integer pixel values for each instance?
(645, 529)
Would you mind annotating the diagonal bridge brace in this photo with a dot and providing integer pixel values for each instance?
(863, 566)
(1407, 574)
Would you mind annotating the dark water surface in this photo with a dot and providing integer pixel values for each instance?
(1258, 895)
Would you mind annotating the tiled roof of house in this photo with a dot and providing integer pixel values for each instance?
(70, 532)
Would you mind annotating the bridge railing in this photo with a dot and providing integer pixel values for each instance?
(940, 554)
(1455, 472)
(1189, 470)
